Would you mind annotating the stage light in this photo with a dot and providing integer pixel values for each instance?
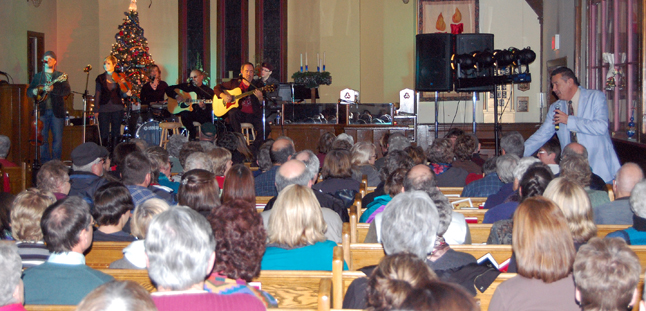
(503, 58)
(484, 59)
(524, 57)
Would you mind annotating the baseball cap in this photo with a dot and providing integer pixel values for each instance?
(88, 152)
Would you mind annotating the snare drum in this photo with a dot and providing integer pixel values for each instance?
(150, 132)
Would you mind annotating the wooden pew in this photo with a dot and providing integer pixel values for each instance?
(101, 254)
(49, 308)
(451, 191)
(139, 276)
(298, 289)
(475, 214)
(17, 177)
(261, 201)
(480, 232)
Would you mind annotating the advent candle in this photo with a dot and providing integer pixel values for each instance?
(301, 62)
(318, 63)
(323, 61)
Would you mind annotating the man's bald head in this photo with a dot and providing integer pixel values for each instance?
(420, 177)
(292, 172)
(282, 150)
(627, 177)
(575, 148)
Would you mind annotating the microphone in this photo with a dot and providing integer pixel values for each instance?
(556, 106)
(3, 73)
(87, 68)
(44, 61)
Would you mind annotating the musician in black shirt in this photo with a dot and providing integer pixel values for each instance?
(202, 112)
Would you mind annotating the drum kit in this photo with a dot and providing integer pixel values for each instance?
(149, 130)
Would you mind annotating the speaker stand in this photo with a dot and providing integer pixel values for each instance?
(496, 125)
(437, 112)
(474, 112)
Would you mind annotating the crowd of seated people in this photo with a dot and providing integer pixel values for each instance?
(189, 214)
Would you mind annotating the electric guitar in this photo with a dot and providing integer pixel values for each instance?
(221, 108)
(42, 94)
(176, 106)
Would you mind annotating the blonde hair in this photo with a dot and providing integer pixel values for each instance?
(26, 212)
(574, 202)
(296, 218)
(542, 240)
(111, 58)
(144, 213)
(361, 153)
(220, 157)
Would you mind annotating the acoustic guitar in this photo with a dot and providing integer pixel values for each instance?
(176, 106)
(42, 94)
(220, 108)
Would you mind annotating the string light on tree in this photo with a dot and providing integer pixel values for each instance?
(131, 49)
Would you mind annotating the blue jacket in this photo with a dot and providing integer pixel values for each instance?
(591, 127)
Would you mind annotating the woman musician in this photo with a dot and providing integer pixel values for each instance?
(108, 104)
(153, 91)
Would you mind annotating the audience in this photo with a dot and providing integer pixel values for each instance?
(394, 186)
(295, 172)
(111, 212)
(198, 161)
(174, 147)
(550, 155)
(606, 273)
(221, 160)
(188, 148)
(440, 296)
(417, 154)
(393, 161)
(327, 201)
(87, 170)
(464, 147)
(363, 157)
(575, 205)
(440, 156)
(325, 145)
(243, 148)
(512, 143)
(545, 253)
(505, 166)
(26, 212)
(134, 255)
(485, 186)
(337, 177)
(229, 141)
(636, 234)
(263, 159)
(199, 191)
(136, 175)
(618, 211)
(596, 182)
(452, 134)
(239, 184)
(5, 145)
(161, 168)
(530, 179)
(394, 280)
(118, 295)
(296, 233)
(180, 247)
(11, 290)
(240, 243)
(64, 279)
(53, 177)
(577, 168)
(395, 142)
(281, 151)
(121, 151)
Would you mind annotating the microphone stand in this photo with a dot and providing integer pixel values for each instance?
(85, 94)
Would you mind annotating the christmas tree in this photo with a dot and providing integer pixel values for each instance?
(131, 49)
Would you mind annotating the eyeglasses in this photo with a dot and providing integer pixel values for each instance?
(266, 70)
(542, 152)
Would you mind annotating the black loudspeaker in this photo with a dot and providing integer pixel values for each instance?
(433, 62)
(467, 44)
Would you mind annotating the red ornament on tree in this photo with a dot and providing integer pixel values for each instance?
(121, 33)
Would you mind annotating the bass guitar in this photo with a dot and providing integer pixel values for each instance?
(221, 108)
(186, 103)
(42, 94)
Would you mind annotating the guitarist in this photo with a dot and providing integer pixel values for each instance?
(52, 109)
(204, 113)
(250, 110)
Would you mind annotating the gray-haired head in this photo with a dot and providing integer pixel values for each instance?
(505, 166)
(198, 160)
(179, 245)
(513, 143)
(410, 224)
(207, 145)
(175, 143)
(10, 271)
(523, 165)
(5, 144)
(638, 199)
(421, 178)
(311, 161)
(292, 172)
(398, 141)
(574, 148)
(489, 166)
(346, 137)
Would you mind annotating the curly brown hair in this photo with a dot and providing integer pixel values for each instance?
(325, 142)
(465, 146)
(337, 165)
(417, 154)
(441, 151)
(577, 169)
(395, 182)
(240, 240)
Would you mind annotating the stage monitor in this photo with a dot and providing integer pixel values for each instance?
(301, 92)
